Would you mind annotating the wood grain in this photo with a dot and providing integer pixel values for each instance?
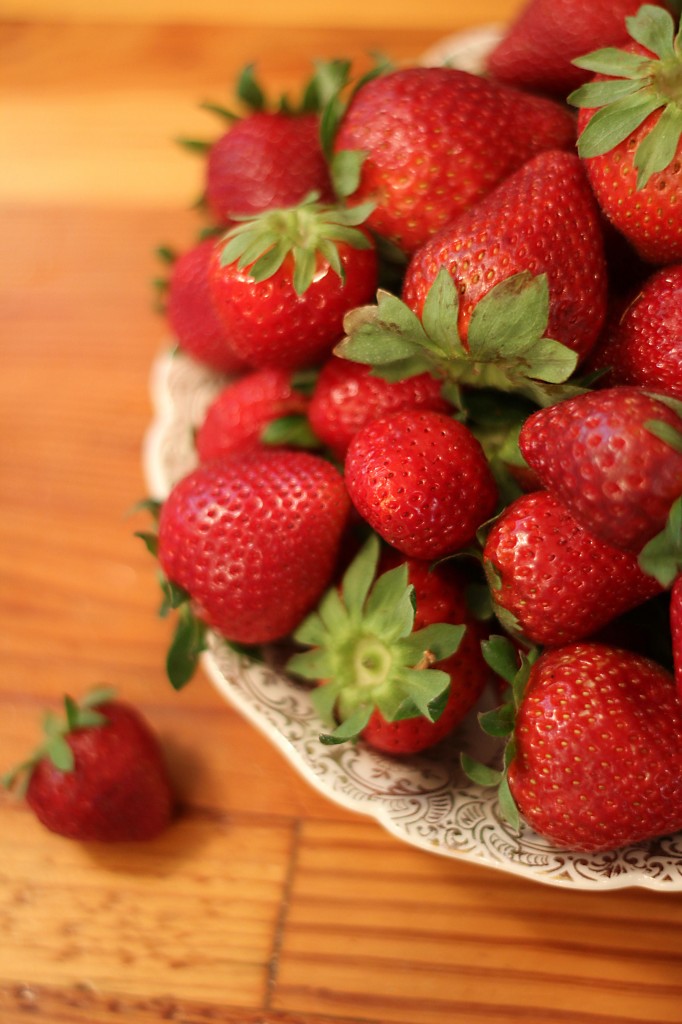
(264, 903)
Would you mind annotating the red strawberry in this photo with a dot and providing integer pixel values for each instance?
(190, 312)
(543, 219)
(595, 753)
(537, 49)
(253, 540)
(421, 480)
(642, 343)
(613, 457)
(237, 419)
(399, 678)
(551, 580)
(436, 141)
(631, 134)
(282, 283)
(266, 160)
(99, 775)
(271, 155)
(347, 396)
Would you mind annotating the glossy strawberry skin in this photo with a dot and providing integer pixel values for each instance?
(598, 760)
(650, 218)
(235, 420)
(537, 49)
(438, 139)
(421, 480)
(556, 579)
(595, 453)
(191, 317)
(440, 596)
(642, 342)
(266, 160)
(347, 396)
(119, 789)
(268, 324)
(254, 540)
(542, 219)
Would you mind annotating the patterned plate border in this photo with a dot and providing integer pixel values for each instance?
(424, 801)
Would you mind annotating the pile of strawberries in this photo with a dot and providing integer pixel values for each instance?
(448, 308)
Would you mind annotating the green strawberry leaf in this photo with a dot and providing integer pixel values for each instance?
(611, 61)
(610, 125)
(654, 28)
(665, 432)
(502, 657)
(482, 774)
(656, 151)
(350, 728)
(346, 171)
(661, 557)
(292, 431)
(359, 577)
(189, 640)
(249, 90)
(598, 94)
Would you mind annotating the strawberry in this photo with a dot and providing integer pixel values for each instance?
(251, 541)
(190, 314)
(239, 417)
(630, 125)
(271, 155)
(421, 480)
(537, 49)
(266, 160)
(594, 757)
(613, 457)
(347, 396)
(551, 580)
(435, 140)
(542, 219)
(99, 775)
(397, 655)
(282, 282)
(642, 341)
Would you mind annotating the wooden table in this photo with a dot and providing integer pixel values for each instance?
(264, 902)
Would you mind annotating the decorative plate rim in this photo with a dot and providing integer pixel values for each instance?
(424, 801)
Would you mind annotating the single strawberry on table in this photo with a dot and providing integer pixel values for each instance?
(394, 651)
(594, 753)
(630, 125)
(430, 142)
(421, 480)
(282, 282)
(99, 775)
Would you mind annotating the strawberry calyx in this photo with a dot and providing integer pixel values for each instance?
(327, 80)
(513, 666)
(506, 348)
(637, 87)
(366, 655)
(305, 232)
(77, 715)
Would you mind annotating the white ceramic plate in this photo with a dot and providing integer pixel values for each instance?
(425, 801)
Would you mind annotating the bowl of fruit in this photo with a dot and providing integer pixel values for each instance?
(415, 467)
